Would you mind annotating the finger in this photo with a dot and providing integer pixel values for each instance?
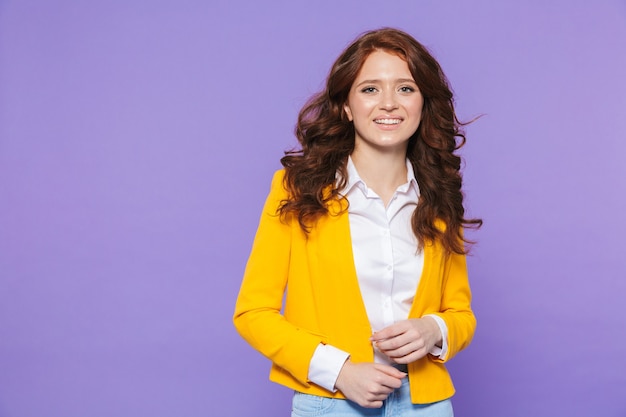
(389, 332)
(394, 383)
(373, 404)
(412, 357)
(393, 343)
(405, 350)
(382, 391)
(383, 388)
(399, 353)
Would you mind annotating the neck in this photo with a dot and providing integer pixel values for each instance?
(382, 172)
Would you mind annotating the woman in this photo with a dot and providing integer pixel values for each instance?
(363, 230)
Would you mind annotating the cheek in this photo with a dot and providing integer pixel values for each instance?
(363, 108)
(416, 108)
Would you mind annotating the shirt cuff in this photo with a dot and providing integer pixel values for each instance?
(440, 352)
(325, 366)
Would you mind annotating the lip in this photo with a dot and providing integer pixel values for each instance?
(388, 126)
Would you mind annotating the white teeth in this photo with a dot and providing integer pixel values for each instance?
(387, 121)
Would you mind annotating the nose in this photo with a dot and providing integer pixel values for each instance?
(388, 100)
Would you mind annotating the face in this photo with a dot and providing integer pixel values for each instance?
(384, 103)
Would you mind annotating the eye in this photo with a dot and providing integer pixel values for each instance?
(368, 90)
(407, 89)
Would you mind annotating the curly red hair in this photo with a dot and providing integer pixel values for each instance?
(327, 139)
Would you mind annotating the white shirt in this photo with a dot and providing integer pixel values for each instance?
(387, 263)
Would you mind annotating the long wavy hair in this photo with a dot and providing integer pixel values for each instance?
(327, 137)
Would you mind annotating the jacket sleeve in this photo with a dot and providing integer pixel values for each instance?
(258, 316)
(456, 306)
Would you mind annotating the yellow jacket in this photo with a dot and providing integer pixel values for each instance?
(323, 303)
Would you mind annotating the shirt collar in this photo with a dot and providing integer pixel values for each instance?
(355, 180)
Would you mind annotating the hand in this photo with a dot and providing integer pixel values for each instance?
(368, 384)
(408, 340)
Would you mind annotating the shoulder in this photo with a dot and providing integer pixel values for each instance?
(277, 194)
(278, 178)
(278, 188)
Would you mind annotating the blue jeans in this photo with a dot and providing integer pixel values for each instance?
(398, 404)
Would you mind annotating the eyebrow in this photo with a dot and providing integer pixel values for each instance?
(399, 80)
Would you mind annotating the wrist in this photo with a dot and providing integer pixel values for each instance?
(435, 330)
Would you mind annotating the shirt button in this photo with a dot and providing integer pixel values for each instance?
(388, 267)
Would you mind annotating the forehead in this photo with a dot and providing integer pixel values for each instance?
(383, 64)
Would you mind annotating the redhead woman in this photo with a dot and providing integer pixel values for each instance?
(363, 230)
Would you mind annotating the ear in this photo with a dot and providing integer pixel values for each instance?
(346, 108)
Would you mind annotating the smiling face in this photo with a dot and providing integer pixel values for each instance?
(384, 103)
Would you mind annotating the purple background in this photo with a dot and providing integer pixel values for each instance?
(137, 142)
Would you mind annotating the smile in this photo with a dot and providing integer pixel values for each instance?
(387, 121)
